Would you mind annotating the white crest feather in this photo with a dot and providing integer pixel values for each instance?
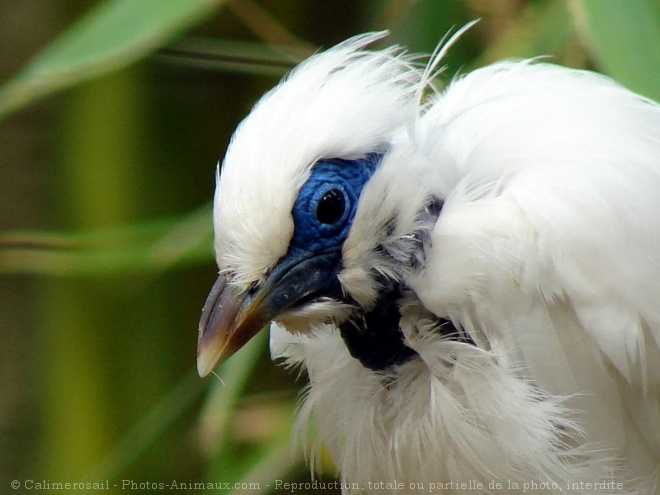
(342, 103)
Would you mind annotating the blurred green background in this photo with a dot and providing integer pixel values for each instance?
(114, 115)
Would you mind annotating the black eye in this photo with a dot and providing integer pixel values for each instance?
(331, 206)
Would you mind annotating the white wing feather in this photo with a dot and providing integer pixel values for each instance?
(549, 240)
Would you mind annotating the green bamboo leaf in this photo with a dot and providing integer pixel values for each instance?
(625, 39)
(110, 36)
(275, 463)
(541, 29)
(149, 246)
(232, 377)
(420, 25)
(243, 57)
(271, 459)
(129, 448)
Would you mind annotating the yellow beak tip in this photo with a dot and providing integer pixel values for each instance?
(206, 361)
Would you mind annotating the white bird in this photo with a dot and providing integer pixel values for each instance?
(470, 278)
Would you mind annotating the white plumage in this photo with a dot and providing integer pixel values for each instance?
(521, 204)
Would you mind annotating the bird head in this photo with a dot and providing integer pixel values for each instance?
(308, 217)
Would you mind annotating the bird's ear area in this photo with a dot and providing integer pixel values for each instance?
(397, 205)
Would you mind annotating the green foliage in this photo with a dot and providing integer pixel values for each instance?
(148, 246)
(112, 35)
(625, 39)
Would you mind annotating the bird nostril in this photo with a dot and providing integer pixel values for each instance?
(254, 287)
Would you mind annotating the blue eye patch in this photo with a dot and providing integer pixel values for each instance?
(326, 204)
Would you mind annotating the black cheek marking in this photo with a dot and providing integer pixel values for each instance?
(375, 338)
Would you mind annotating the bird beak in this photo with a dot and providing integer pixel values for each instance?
(229, 319)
